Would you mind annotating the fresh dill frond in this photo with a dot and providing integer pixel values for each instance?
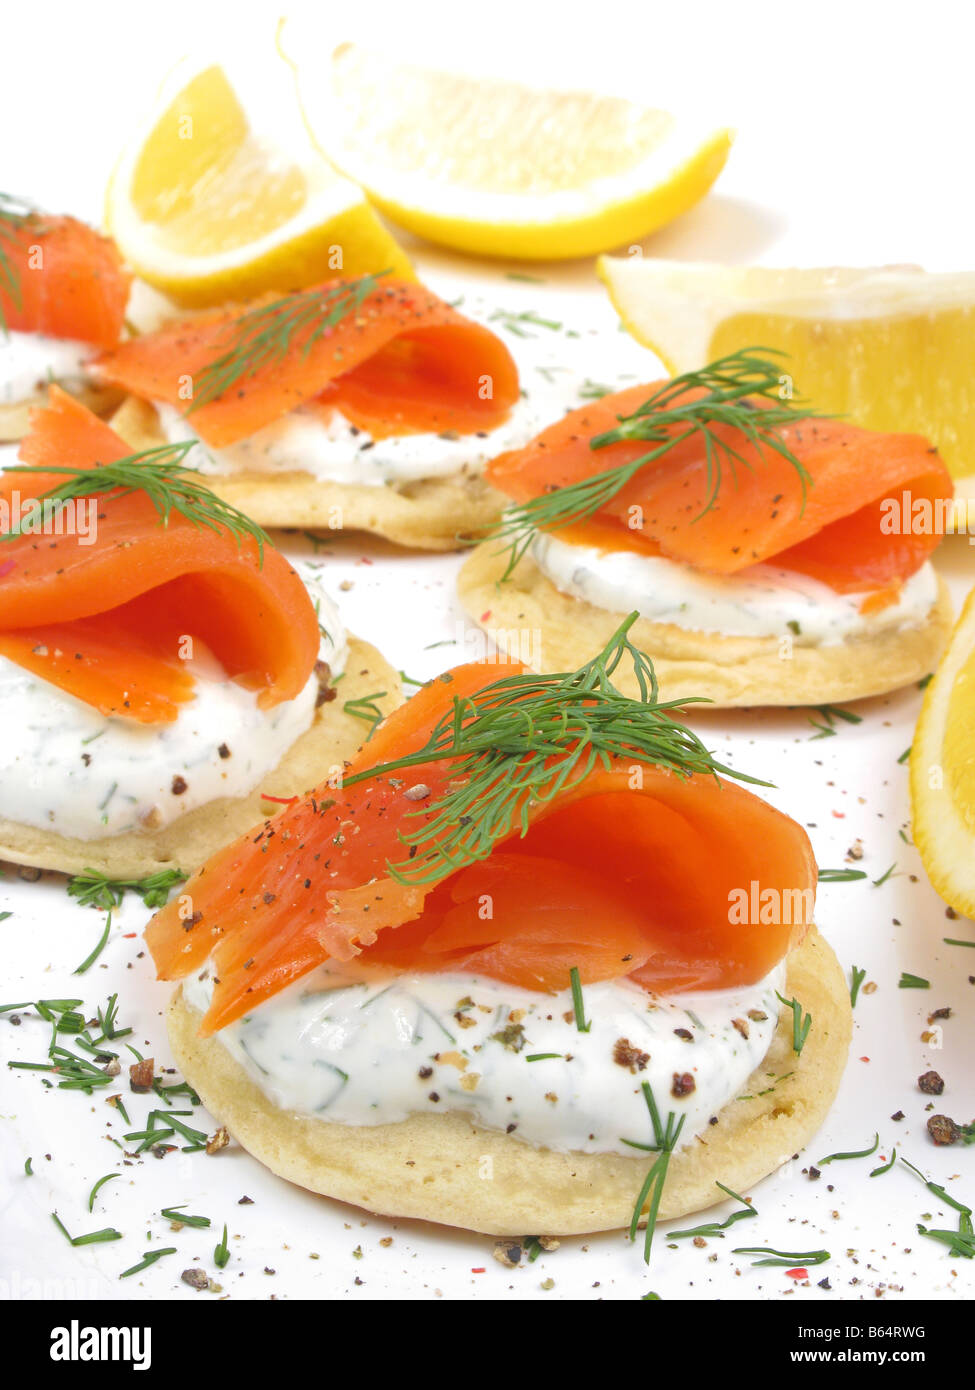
(263, 336)
(801, 1022)
(852, 1153)
(94, 889)
(89, 961)
(665, 1136)
(731, 386)
(780, 1258)
(524, 740)
(168, 483)
(841, 875)
(857, 978)
(367, 707)
(716, 1229)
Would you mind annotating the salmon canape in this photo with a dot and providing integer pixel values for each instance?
(363, 404)
(494, 947)
(63, 292)
(775, 557)
(163, 668)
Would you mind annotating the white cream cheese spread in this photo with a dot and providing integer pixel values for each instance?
(65, 767)
(374, 1051)
(762, 601)
(29, 362)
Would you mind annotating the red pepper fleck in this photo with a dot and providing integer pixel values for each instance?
(484, 616)
(839, 815)
(482, 1270)
(281, 800)
(797, 1273)
(129, 935)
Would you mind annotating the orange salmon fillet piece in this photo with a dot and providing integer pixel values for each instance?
(107, 621)
(403, 362)
(628, 872)
(67, 281)
(834, 534)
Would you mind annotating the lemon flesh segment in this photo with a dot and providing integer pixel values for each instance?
(910, 373)
(943, 771)
(959, 744)
(500, 169)
(207, 209)
(888, 349)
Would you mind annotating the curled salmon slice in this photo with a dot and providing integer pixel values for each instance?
(402, 362)
(833, 530)
(64, 280)
(631, 870)
(113, 617)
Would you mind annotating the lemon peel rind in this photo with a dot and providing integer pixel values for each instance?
(944, 841)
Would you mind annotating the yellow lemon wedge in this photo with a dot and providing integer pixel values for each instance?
(206, 207)
(499, 169)
(888, 348)
(943, 770)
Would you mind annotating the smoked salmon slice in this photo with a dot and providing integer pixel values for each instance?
(629, 871)
(62, 279)
(108, 618)
(400, 361)
(832, 530)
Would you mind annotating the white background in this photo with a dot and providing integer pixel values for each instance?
(854, 146)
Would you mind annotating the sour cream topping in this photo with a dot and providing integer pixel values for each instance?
(66, 767)
(29, 362)
(375, 1051)
(762, 601)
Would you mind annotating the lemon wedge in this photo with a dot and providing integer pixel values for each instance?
(499, 169)
(943, 770)
(207, 208)
(888, 348)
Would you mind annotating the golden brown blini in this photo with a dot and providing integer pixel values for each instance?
(187, 842)
(431, 1166)
(15, 417)
(730, 671)
(429, 514)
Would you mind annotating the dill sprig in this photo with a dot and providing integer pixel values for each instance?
(221, 1253)
(779, 1258)
(109, 1177)
(149, 1257)
(95, 889)
(841, 875)
(263, 336)
(731, 386)
(89, 961)
(852, 1153)
(857, 978)
(367, 707)
(909, 981)
(15, 213)
(961, 1243)
(716, 1229)
(884, 1167)
(524, 740)
(665, 1136)
(801, 1023)
(182, 1218)
(578, 1004)
(92, 1238)
(161, 474)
